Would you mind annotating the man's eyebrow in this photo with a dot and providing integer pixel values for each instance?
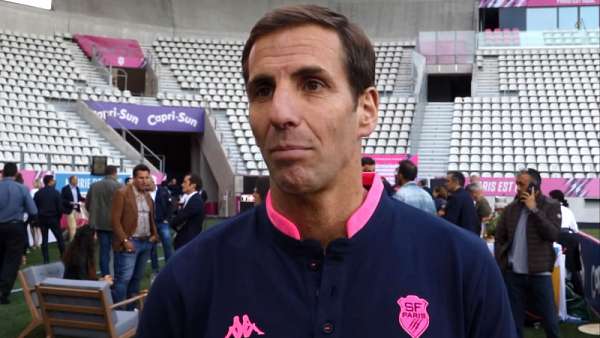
(309, 71)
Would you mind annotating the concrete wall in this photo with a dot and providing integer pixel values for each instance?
(144, 19)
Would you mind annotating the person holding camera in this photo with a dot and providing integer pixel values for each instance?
(524, 252)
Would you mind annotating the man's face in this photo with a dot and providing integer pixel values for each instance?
(141, 180)
(368, 168)
(73, 181)
(451, 183)
(186, 186)
(523, 181)
(302, 110)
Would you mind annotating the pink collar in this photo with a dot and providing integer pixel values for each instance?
(354, 224)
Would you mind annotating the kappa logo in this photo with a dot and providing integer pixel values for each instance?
(413, 316)
(243, 329)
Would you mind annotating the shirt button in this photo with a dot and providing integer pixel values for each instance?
(327, 328)
(314, 265)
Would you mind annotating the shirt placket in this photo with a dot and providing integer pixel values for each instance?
(328, 295)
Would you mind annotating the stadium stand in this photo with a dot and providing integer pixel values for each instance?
(547, 117)
(37, 72)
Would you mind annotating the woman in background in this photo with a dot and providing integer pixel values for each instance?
(567, 216)
(36, 231)
(79, 259)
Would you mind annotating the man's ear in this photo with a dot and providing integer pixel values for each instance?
(368, 111)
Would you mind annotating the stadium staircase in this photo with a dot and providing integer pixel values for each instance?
(225, 132)
(486, 79)
(89, 71)
(434, 143)
(166, 80)
(404, 81)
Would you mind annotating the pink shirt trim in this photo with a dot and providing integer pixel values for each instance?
(354, 224)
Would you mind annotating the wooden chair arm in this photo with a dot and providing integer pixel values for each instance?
(138, 298)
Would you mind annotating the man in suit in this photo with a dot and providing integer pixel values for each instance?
(189, 219)
(460, 208)
(49, 206)
(134, 232)
(71, 196)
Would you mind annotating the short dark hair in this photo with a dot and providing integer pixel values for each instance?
(47, 179)
(195, 179)
(367, 161)
(458, 176)
(536, 178)
(408, 170)
(140, 167)
(71, 178)
(262, 186)
(359, 54)
(110, 170)
(10, 169)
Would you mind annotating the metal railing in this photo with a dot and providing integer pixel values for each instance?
(98, 62)
(145, 152)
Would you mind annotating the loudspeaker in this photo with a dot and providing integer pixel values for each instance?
(99, 165)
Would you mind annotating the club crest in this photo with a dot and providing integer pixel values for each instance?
(413, 316)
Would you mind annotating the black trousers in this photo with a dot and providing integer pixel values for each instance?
(53, 226)
(12, 241)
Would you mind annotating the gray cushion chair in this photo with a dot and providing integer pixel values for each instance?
(29, 278)
(82, 308)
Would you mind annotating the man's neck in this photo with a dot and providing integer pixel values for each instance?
(321, 216)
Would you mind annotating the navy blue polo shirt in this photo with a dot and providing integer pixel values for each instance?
(399, 273)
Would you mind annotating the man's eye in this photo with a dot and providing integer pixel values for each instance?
(263, 91)
(313, 85)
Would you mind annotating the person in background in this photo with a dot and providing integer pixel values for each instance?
(79, 256)
(34, 225)
(368, 166)
(261, 189)
(14, 202)
(134, 232)
(524, 251)
(440, 197)
(423, 184)
(460, 208)
(98, 202)
(49, 206)
(162, 213)
(188, 221)
(567, 216)
(19, 179)
(569, 241)
(71, 197)
(482, 206)
(409, 192)
(475, 179)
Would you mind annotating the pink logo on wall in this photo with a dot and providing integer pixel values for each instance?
(385, 165)
(413, 316)
(571, 187)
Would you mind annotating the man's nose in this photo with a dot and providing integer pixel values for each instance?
(285, 110)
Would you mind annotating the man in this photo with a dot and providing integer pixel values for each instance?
(482, 206)
(409, 192)
(460, 208)
(98, 203)
(307, 261)
(475, 179)
(523, 248)
(162, 213)
(368, 166)
(71, 196)
(422, 183)
(14, 202)
(174, 188)
(134, 232)
(188, 221)
(49, 206)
